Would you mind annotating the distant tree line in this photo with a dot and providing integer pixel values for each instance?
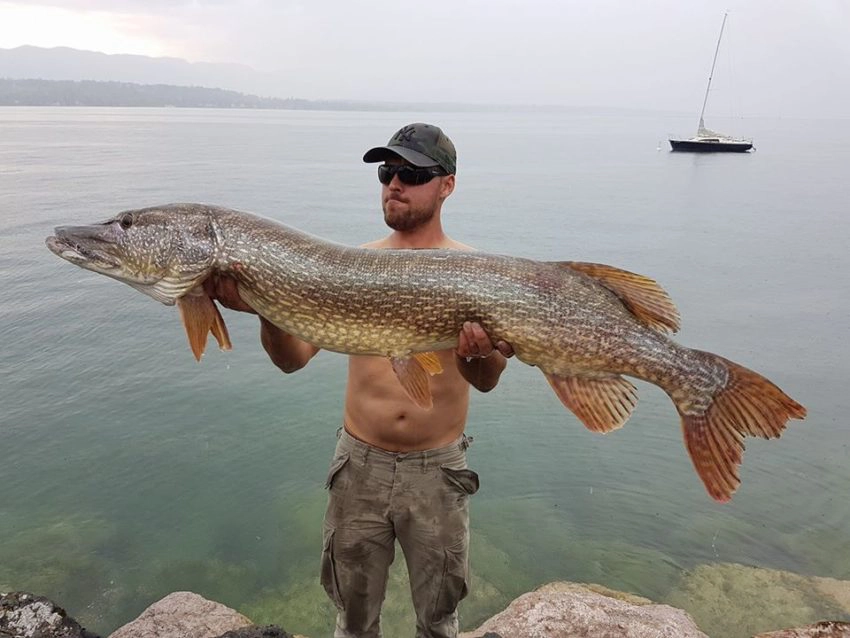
(27, 92)
(91, 93)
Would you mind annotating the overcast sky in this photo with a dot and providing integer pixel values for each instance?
(779, 57)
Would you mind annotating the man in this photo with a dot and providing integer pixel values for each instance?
(399, 472)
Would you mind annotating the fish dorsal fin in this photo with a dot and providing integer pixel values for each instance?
(601, 403)
(200, 316)
(644, 298)
(430, 361)
(414, 378)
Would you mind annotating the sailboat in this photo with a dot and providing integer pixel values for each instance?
(707, 141)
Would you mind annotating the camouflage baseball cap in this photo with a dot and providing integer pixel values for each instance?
(421, 145)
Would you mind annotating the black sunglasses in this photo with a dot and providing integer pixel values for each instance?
(408, 175)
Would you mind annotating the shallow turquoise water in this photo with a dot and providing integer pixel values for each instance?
(129, 471)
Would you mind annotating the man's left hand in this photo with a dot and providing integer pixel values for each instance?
(475, 343)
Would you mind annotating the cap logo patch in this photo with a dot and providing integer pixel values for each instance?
(405, 135)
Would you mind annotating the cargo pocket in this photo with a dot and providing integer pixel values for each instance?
(336, 465)
(454, 581)
(464, 480)
(329, 576)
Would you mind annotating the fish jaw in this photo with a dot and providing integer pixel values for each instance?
(163, 252)
(84, 246)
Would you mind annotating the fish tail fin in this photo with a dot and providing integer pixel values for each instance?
(746, 405)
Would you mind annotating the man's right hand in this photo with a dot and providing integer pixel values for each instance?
(287, 352)
(224, 289)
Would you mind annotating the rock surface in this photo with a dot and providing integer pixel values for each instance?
(551, 611)
(269, 631)
(183, 615)
(567, 609)
(827, 629)
(26, 615)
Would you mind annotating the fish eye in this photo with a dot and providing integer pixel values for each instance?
(126, 221)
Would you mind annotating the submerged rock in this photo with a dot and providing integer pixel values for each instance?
(24, 615)
(567, 609)
(739, 601)
(183, 615)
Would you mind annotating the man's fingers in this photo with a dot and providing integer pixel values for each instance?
(462, 342)
(505, 348)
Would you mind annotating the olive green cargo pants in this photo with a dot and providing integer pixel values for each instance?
(419, 498)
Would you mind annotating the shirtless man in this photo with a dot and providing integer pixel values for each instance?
(399, 472)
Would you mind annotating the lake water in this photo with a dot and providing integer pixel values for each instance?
(128, 471)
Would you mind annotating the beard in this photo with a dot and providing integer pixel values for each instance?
(407, 220)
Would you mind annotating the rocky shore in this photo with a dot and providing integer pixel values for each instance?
(555, 610)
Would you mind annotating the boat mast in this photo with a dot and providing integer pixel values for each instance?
(710, 75)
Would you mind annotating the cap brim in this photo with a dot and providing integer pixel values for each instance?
(383, 153)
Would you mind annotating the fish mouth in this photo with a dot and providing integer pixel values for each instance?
(80, 254)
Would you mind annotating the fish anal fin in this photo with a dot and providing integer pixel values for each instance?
(644, 298)
(200, 316)
(747, 405)
(601, 403)
(430, 361)
(414, 379)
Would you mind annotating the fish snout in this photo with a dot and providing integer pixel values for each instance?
(82, 245)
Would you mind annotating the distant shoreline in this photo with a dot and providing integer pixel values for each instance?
(113, 94)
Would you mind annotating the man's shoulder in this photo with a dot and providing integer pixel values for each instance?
(445, 242)
(456, 245)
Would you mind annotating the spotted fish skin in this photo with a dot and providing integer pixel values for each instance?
(585, 326)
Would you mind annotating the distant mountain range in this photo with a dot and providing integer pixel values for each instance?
(104, 93)
(62, 63)
(35, 76)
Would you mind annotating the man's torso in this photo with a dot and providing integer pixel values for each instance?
(379, 412)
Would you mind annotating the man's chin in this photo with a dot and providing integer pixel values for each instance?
(405, 222)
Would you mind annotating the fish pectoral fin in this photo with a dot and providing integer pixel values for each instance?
(414, 379)
(644, 298)
(219, 329)
(602, 403)
(430, 361)
(200, 316)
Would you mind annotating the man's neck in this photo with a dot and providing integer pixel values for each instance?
(429, 236)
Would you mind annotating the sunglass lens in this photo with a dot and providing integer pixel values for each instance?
(385, 174)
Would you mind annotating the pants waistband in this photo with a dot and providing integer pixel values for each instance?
(436, 456)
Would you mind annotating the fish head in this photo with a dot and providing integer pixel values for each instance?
(161, 251)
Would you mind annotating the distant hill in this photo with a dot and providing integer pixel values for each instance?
(63, 63)
(35, 76)
(91, 93)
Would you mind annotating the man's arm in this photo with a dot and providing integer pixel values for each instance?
(479, 360)
(287, 352)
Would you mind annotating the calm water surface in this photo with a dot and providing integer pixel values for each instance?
(128, 471)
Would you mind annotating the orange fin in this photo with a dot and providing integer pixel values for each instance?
(644, 298)
(602, 403)
(748, 404)
(200, 316)
(219, 329)
(414, 380)
(430, 361)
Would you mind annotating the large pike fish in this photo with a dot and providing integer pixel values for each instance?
(584, 325)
